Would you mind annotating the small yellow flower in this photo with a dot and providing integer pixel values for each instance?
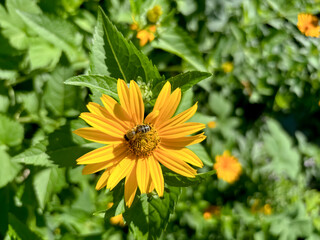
(227, 67)
(116, 220)
(146, 35)
(136, 146)
(134, 26)
(308, 25)
(210, 211)
(212, 124)
(228, 167)
(154, 14)
(319, 103)
(267, 210)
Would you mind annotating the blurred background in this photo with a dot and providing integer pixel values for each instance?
(262, 105)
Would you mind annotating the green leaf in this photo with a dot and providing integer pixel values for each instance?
(176, 180)
(183, 80)
(8, 169)
(179, 42)
(35, 155)
(201, 152)
(58, 32)
(14, 136)
(219, 105)
(43, 54)
(121, 57)
(148, 217)
(19, 230)
(47, 182)
(13, 26)
(97, 53)
(59, 98)
(104, 84)
(64, 150)
(278, 145)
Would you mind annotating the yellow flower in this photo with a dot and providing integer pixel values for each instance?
(212, 124)
(116, 220)
(146, 35)
(308, 25)
(154, 14)
(267, 210)
(136, 146)
(227, 67)
(211, 210)
(134, 26)
(228, 167)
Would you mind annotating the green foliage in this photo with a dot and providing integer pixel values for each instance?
(9, 169)
(56, 55)
(14, 136)
(150, 214)
(285, 159)
(122, 58)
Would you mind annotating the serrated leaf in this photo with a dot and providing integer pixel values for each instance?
(179, 42)
(35, 155)
(148, 217)
(59, 98)
(121, 57)
(11, 132)
(183, 80)
(58, 32)
(8, 169)
(104, 84)
(47, 182)
(176, 180)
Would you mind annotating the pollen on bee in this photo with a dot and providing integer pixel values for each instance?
(142, 140)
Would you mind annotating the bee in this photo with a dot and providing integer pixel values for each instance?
(138, 129)
(143, 128)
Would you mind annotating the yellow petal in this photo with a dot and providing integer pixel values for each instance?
(173, 163)
(181, 117)
(97, 167)
(104, 154)
(152, 116)
(117, 112)
(123, 168)
(124, 96)
(163, 96)
(186, 155)
(143, 175)
(182, 142)
(130, 187)
(150, 186)
(180, 130)
(95, 135)
(104, 125)
(136, 102)
(156, 175)
(104, 178)
(170, 107)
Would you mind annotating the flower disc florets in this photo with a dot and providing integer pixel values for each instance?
(142, 140)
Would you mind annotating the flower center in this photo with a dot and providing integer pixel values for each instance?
(142, 140)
